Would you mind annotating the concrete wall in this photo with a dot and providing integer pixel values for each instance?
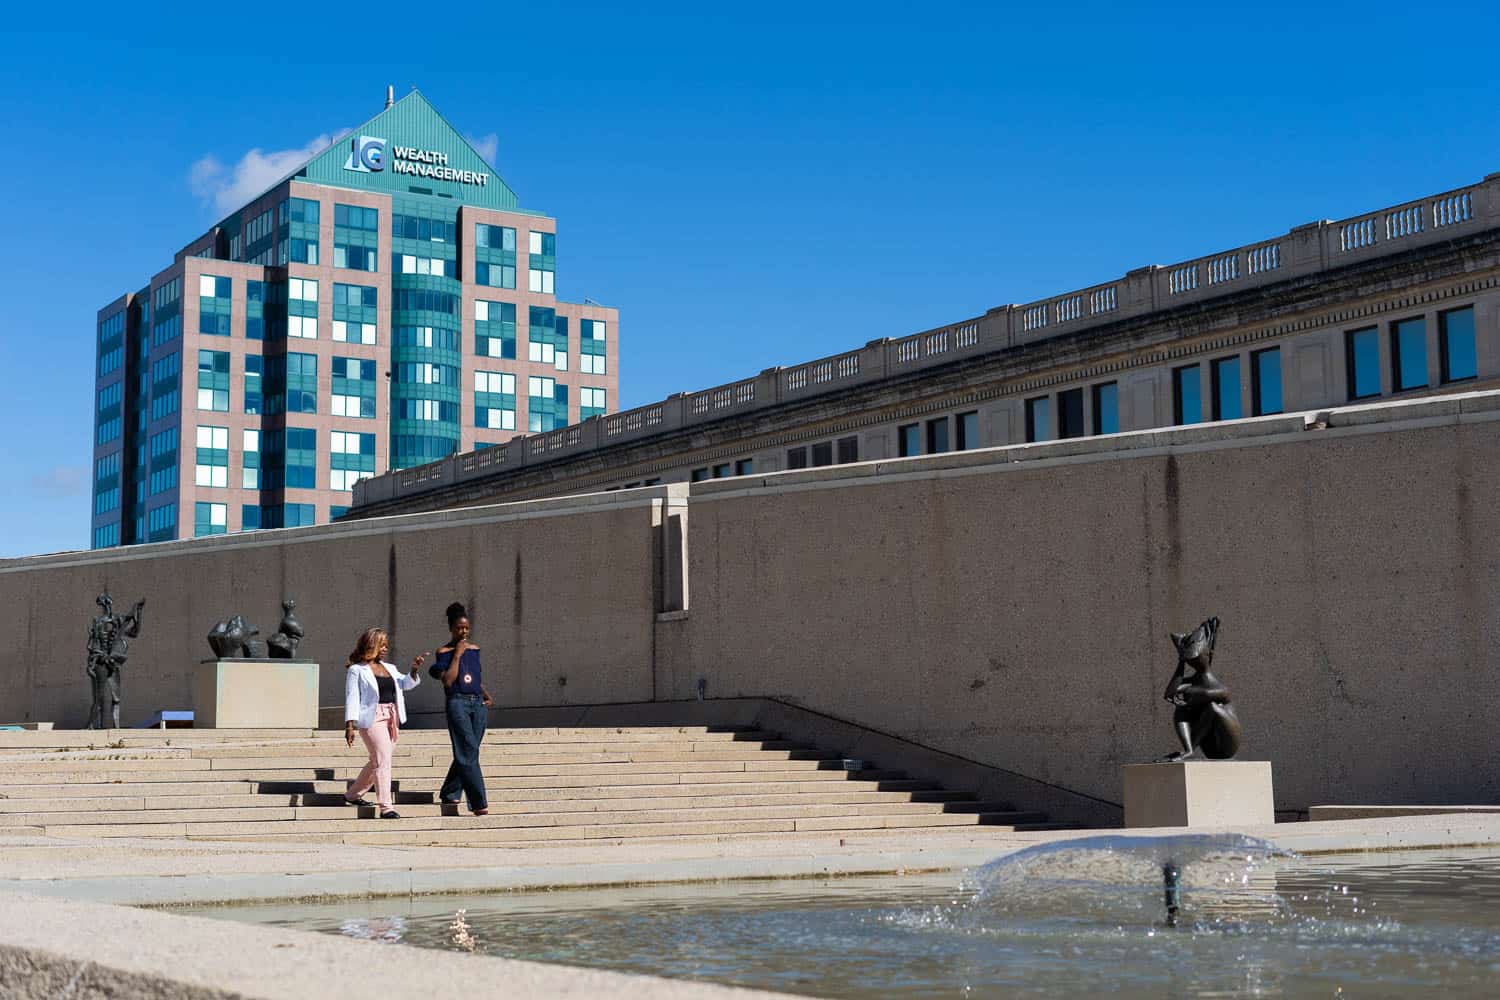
(543, 579)
(1009, 607)
(1017, 613)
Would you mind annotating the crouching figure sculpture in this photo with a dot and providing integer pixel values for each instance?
(1204, 719)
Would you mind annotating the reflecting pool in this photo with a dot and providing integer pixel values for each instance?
(1061, 920)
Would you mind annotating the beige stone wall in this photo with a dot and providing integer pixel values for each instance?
(1010, 607)
(544, 582)
(1017, 614)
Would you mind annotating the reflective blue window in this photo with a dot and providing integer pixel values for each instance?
(1265, 390)
(1456, 329)
(1364, 363)
(1106, 408)
(1187, 395)
(1227, 389)
(908, 442)
(1409, 354)
(1039, 419)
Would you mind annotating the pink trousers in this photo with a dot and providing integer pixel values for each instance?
(380, 740)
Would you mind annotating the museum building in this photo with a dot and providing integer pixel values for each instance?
(1393, 303)
(386, 305)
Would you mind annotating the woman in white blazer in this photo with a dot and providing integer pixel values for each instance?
(374, 703)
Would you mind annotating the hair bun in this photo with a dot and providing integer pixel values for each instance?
(455, 612)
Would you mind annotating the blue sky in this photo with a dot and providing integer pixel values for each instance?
(748, 188)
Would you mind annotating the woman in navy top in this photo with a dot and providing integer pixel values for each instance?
(467, 705)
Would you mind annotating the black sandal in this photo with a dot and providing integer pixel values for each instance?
(390, 814)
(354, 802)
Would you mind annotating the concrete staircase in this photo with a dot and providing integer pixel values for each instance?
(546, 786)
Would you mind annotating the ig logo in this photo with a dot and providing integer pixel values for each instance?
(366, 153)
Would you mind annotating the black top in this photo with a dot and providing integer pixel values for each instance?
(387, 686)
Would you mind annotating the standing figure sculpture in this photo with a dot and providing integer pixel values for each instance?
(1204, 720)
(283, 643)
(109, 645)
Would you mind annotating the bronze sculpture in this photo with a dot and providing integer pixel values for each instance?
(109, 645)
(284, 643)
(234, 639)
(1204, 719)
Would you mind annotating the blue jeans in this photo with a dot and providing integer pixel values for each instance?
(467, 719)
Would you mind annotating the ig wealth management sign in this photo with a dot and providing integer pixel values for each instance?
(369, 154)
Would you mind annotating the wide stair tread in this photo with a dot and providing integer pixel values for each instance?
(547, 786)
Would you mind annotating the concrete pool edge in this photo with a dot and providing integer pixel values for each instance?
(132, 953)
(223, 878)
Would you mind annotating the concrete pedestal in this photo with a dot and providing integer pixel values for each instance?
(255, 694)
(1199, 793)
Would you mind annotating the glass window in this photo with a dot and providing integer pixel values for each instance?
(967, 427)
(1039, 419)
(1226, 401)
(1106, 408)
(796, 458)
(744, 467)
(1070, 414)
(699, 475)
(909, 440)
(724, 471)
(1456, 330)
(822, 454)
(1265, 390)
(1187, 395)
(1363, 350)
(848, 449)
(937, 436)
(1409, 354)
(210, 519)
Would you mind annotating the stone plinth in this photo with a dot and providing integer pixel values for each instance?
(255, 694)
(1199, 793)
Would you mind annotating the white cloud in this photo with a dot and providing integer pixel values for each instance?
(62, 481)
(486, 146)
(228, 188)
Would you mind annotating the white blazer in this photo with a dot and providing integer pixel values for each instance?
(362, 695)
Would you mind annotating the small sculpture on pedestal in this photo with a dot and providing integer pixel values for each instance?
(109, 645)
(234, 639)
(1204, 719)
(284, 643)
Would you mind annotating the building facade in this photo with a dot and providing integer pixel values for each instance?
(385, 306)
(1390, 304)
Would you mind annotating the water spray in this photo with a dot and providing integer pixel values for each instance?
(1171, 876)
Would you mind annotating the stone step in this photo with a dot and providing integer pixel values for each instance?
(352, 763)
(155, 737)
(51, 789)
(586, 787)
(958, 834)
(517, 759)
(853, 801)
(79, 820)
(59, 804)
(648, 797)
(405, 747)
(462, 827)
(381, 832)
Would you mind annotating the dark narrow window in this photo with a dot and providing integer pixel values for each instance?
(1456, 330)
(723, 471)
(848, 450)
(1039, 419)
(699, 475)
(744, 467)
(937, 436)
(822, 453)
(1363, 355)
(1070, 414)
(1187, 396)
(968, 430)
(909, 440)
(1226, 402)
(1265, 387)
(1409, 354)
(1106, 408)
(796, 458)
